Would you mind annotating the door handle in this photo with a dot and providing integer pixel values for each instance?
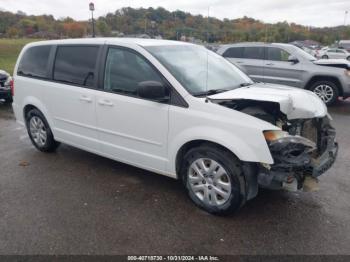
(104, 102)
(239, 62)
(270, 64)
(85, 99)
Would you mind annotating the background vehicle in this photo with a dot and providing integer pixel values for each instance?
(147, 103)
(289, 65)
(345, 44)
(334, 53)
(5, 86)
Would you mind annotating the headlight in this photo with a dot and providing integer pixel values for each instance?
(274, 135)
(279, 139)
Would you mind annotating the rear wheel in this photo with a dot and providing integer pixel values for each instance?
(326, 90)
(213, 179)
(40, 132)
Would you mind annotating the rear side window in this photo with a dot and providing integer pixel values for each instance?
(76, 65)
(277, 54)
(34, 62)
(234, 52)
(253, 53)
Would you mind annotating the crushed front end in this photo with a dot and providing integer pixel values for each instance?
(304, 150)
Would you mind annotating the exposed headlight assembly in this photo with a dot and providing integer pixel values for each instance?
(279, 139)
(274, 135)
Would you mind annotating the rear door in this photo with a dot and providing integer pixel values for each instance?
(131, 129)
(249, 59)
(278, 70)
(341, 54)
(71, 96)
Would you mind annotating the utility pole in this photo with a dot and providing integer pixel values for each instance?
(345, 16)
(92, 9)
(208, 24)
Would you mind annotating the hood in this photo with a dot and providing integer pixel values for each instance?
(295, 103)
(341, 63)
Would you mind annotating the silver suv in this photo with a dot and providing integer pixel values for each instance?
(289, 65)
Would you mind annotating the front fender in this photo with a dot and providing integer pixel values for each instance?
(252, 148)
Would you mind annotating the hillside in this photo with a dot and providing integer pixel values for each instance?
(169, 25)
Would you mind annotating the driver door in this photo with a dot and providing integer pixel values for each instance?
(278, 70)
(131, 129)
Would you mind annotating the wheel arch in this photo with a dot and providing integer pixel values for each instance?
(333, 79)
(193, 144)
(33, 103)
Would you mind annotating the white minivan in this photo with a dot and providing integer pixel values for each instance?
(176, 109)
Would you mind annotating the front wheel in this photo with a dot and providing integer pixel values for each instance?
(213, 179)
(326, 90)
(40, 132)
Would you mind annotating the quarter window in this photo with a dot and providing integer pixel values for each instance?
(277, 54)
(125, 70)
(34, 62)
(76, 65)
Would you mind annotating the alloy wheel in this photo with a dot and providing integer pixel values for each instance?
(209, 181)
(325, 92)
(38, 131)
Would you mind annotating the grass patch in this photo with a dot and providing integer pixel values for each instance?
(9, 51)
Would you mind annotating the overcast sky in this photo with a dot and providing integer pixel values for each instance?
(306, 12)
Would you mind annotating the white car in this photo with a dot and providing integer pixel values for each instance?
(176, 109)
(333, 53)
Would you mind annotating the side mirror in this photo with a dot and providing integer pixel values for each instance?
(293, 59)
(153, 90)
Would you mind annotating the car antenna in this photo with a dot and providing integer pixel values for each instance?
(207, 75)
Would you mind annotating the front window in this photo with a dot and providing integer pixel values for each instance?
(199, 70)
(300, 52)
(277, 54)
(125, 70)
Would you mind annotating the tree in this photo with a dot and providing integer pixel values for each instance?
(103, 28)
(74, 29)
(12, 32)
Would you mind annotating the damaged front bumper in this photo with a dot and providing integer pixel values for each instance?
(297, 157)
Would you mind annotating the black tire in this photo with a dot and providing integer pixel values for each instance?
(8, 100)
(348, 58)
(325, 57)
(233, 169)
(50, 144)
(334, 87)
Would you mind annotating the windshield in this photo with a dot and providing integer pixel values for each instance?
(198, 69)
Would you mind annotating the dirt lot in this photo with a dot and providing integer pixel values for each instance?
(74, 202)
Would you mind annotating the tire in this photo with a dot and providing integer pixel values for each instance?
(325, 57)
(348, 58)
(8, 100)
(322, 88)
(231, 174)
(40, 132)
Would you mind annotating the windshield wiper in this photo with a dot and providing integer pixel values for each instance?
(211, 92)
(246, 84)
